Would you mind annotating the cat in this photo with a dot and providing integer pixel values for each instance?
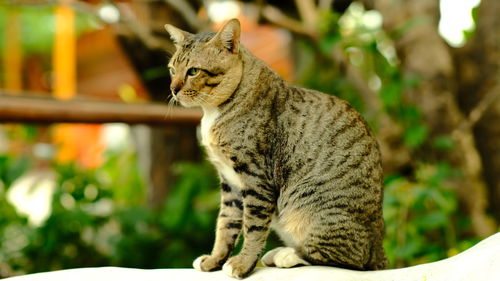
(297, 160)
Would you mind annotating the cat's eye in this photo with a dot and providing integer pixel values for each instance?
(171, 70)
(193, 71)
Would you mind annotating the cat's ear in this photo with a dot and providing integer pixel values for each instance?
(229, 36)
(177, 35)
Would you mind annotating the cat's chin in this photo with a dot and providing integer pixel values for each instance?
(184, 104)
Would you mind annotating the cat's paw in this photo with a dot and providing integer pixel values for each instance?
(268, 258)
(207, 263)
(238, 267)
(283, 257)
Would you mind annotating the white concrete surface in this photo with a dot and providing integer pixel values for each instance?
(481, 263)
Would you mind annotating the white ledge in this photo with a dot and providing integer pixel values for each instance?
(481, 263)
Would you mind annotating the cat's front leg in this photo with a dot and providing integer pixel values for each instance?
(229, 223)
(258, 208)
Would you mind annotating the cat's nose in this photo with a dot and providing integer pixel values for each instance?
(175, 89)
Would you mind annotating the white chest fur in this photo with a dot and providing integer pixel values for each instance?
(221, 163)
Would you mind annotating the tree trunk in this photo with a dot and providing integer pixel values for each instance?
(478, 65)
(425, 55)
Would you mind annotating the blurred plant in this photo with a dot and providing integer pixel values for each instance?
(179, 232)
(12, 235)
(423, 221)
(356, 39)
(99, 217)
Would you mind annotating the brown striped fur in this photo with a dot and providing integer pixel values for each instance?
(295, 159)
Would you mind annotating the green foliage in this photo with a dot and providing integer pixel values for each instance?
(120, 174)
(99, 217)
(357, 36)
(423, 222)
(190, 213)
(12, 168)
(391, 95)
(444, 143)
(12, 231)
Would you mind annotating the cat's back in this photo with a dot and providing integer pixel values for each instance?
(315, 122)
(331, 144)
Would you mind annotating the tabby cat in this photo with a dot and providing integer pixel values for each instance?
(296, 160)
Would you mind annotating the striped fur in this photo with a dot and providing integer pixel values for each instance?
(297, 160)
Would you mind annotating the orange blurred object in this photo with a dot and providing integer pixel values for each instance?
(79, 143)
(64, 57)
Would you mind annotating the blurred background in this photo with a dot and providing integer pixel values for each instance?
(96, 169)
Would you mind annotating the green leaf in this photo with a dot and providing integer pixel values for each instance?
(433, 220)
(391, 95)
(445, 143)
(415, 136)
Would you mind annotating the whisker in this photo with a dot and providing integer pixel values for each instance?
(170, 105)
(201, 98)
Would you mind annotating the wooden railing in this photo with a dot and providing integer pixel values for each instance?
(29, 109)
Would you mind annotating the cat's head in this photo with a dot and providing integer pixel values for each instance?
(206, 68)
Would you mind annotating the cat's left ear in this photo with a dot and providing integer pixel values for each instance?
(229, 36)
(177, 35)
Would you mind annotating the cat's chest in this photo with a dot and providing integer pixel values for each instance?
(215, 153)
